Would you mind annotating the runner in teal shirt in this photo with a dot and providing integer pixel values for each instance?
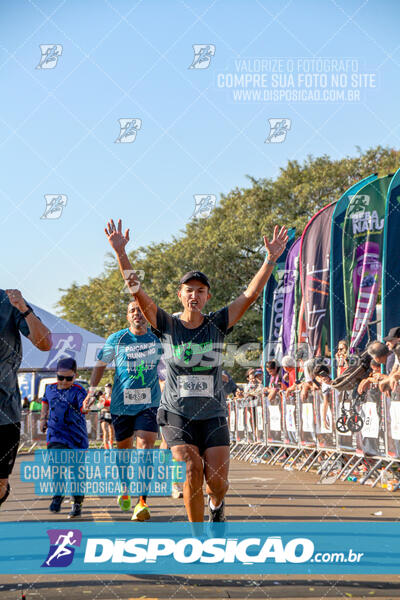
(136, 394)
(136, 358)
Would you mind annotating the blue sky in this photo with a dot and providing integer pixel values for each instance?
(123, 59)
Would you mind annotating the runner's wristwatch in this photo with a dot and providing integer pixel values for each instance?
(27, 312)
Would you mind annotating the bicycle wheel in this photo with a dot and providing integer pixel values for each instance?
(355, 423)
(341, 424)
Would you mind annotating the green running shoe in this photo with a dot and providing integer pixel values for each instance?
(141, 512)
(124, 503)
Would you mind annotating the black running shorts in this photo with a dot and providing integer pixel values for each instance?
(126, 425)
(9, 442)
(204, 434)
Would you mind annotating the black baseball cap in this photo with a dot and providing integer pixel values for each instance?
(394, 332)
(195, 275)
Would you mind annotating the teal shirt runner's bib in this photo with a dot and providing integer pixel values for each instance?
(136, 358)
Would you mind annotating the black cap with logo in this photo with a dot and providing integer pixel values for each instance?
(394, 332)
(198, 275)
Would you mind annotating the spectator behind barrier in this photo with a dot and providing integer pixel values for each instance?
(342, 356)
(374, 377)
(252, 383)
(288, 365)
(258, 375)
(228, 384)
(322, 376)
(301, 357)
(239, 394)
(393, 363)
(274, 374)
(307, 385)
(380, 353)
(253, 388)
(275, 381)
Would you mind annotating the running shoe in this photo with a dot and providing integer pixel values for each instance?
(55, 505)
(125, 503)
(176, 491)
(76, 510)
(216, 515)
(141, 512)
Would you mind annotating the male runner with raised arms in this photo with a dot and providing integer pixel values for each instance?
(193, 408)
(136, 391)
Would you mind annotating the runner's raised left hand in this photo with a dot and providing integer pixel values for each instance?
(278, 243)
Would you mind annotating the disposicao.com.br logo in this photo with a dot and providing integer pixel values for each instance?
(247, 551)
(192, 550)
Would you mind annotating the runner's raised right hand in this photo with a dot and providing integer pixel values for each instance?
(115, 236)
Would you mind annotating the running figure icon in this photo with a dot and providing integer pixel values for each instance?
(65, 347)
(140, 372)
(62, 546)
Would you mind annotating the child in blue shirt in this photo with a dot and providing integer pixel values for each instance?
(63, 419)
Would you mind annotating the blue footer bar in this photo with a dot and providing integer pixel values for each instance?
(212, 548)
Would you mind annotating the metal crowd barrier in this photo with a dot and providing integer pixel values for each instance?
(31, 436)
(295, 433)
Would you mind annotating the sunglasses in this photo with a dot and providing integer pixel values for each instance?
(66, 377)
